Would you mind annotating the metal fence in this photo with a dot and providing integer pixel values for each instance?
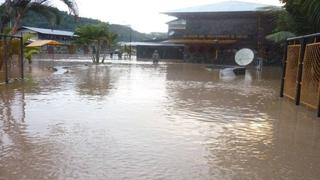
(11, 58)
(301, 72)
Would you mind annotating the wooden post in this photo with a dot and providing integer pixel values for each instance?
(303, 43)
(21, 57)
(5, 52)
(217, 54)
(318, 101)
(284, 68)
(2, 65)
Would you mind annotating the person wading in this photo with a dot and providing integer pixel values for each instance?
(155, 57)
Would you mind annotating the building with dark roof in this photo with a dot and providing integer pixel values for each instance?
(213, 33)
(145, 50)
(64, 38)
(48, 34)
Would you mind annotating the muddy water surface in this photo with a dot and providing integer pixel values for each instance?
(140, 121)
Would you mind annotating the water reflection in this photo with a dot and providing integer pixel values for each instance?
(12, 115)
(244, 125)
(94, 81)
(12, 104)
(139, 121)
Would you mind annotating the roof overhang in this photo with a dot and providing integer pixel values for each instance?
(154, 44)
(201, 41)
(212, 14)
(225, 7)
(49, 31)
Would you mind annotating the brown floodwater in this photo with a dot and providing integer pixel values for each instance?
(144, 121)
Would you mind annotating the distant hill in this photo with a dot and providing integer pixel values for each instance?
(69, 23)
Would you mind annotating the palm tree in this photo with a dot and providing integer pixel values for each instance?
(15, 10)
(312, 9)
(109, 43)
(285, 26)
(298, 17)
(305, 12)
(280, 37)
(97, 37)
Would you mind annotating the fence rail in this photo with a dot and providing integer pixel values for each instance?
(301, 71)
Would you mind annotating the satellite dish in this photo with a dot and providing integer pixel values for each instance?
(171, 33)
(244, 57)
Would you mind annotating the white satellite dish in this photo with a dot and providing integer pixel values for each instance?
(171, 33)
(244, 57)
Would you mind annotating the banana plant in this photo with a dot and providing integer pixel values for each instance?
(28, 52)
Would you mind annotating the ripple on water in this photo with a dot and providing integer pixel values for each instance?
(140, 121)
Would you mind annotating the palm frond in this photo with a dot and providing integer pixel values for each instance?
(29, 52)
(312, 9)
(280, 37)
(73, 7)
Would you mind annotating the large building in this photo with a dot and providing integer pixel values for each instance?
(213, 33)
(65, 37)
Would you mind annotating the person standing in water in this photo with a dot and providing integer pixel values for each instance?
(259, 64)
(155, 56)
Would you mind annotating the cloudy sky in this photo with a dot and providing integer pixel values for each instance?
(142, 15)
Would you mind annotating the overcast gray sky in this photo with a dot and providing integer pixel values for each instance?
(142, 15)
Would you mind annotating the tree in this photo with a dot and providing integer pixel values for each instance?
(306, 14)
(110, 43)
(13, 11)
(97, 37)
(285, 26)
(280, 37)
(298, 17)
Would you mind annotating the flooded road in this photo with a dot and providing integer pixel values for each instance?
(140, 121)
